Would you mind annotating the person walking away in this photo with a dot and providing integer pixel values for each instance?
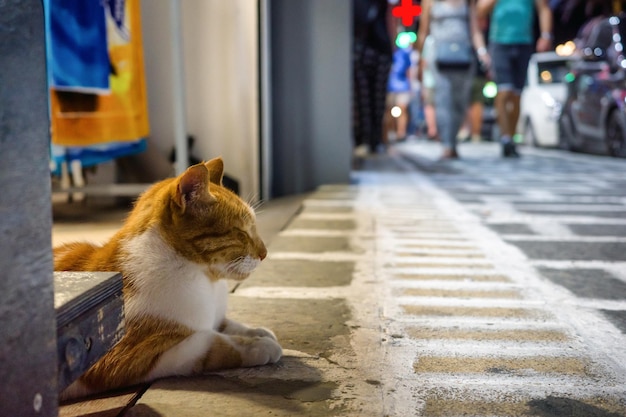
(511, 45)
(453, 27)
(371, 61)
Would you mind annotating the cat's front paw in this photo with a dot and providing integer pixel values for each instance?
(261, 332)
(261, 351)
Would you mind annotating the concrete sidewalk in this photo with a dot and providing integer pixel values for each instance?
(390, 299)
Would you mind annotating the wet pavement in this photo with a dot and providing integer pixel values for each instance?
(479, 287)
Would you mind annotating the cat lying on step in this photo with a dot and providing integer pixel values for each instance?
(183, 237)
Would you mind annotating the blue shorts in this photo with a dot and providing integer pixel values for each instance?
(509, 64)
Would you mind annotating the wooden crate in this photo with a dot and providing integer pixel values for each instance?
(90, 319)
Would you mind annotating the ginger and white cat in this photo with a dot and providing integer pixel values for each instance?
(184, 236)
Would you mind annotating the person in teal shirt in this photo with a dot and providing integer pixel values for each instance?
(511, 38)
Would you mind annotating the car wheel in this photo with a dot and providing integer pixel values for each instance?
(529, 134)
(615, 131)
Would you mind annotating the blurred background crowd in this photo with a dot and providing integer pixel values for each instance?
(576, 44)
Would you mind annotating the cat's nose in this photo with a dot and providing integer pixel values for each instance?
(262, 253)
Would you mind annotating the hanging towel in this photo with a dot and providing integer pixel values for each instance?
(78, 57)
(95, 72)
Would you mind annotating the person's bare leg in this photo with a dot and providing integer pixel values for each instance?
(502, 109)
(507, 106)
(476, 120)
(387, 124)
(514, 109)
(402, 122)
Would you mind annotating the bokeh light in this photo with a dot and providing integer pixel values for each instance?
(490, 90)
(566, 49)
(404, 39)
(546, 76)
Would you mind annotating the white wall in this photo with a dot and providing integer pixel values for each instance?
(221, 70)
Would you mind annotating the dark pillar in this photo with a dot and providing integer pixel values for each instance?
(27, 318)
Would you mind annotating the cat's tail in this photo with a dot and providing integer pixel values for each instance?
(71, 256)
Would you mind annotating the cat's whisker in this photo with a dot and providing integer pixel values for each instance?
(233, 266)
(251, 198)
(255, 202)
(256, 206)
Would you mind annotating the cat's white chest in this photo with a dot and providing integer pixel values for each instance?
(171, 287)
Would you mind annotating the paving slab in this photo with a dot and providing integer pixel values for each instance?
(301, 273)
(294, 387)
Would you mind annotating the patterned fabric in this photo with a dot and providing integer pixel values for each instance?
(371, 72)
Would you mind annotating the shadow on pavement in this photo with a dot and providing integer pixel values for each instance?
(566, 407)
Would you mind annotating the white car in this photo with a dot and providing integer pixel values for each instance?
(542, 98)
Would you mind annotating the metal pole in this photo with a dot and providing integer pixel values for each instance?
(266, 99)
(178, 74)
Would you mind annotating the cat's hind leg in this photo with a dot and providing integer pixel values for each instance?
(210, 351)
(233, 327)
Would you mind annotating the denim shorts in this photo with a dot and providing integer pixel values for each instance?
(509, 64)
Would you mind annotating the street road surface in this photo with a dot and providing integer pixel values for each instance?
(510, 283)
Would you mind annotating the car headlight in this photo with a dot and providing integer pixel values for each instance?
(548, 100)
(552, 104)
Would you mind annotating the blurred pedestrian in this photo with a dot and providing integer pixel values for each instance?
(372, 51)
(399, 94)
(453, 27)
(511, 45)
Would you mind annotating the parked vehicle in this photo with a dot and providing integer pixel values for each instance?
(594, 116)
(542, 99)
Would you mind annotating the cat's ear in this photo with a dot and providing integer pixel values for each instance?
(193, 186)
(216, 170)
